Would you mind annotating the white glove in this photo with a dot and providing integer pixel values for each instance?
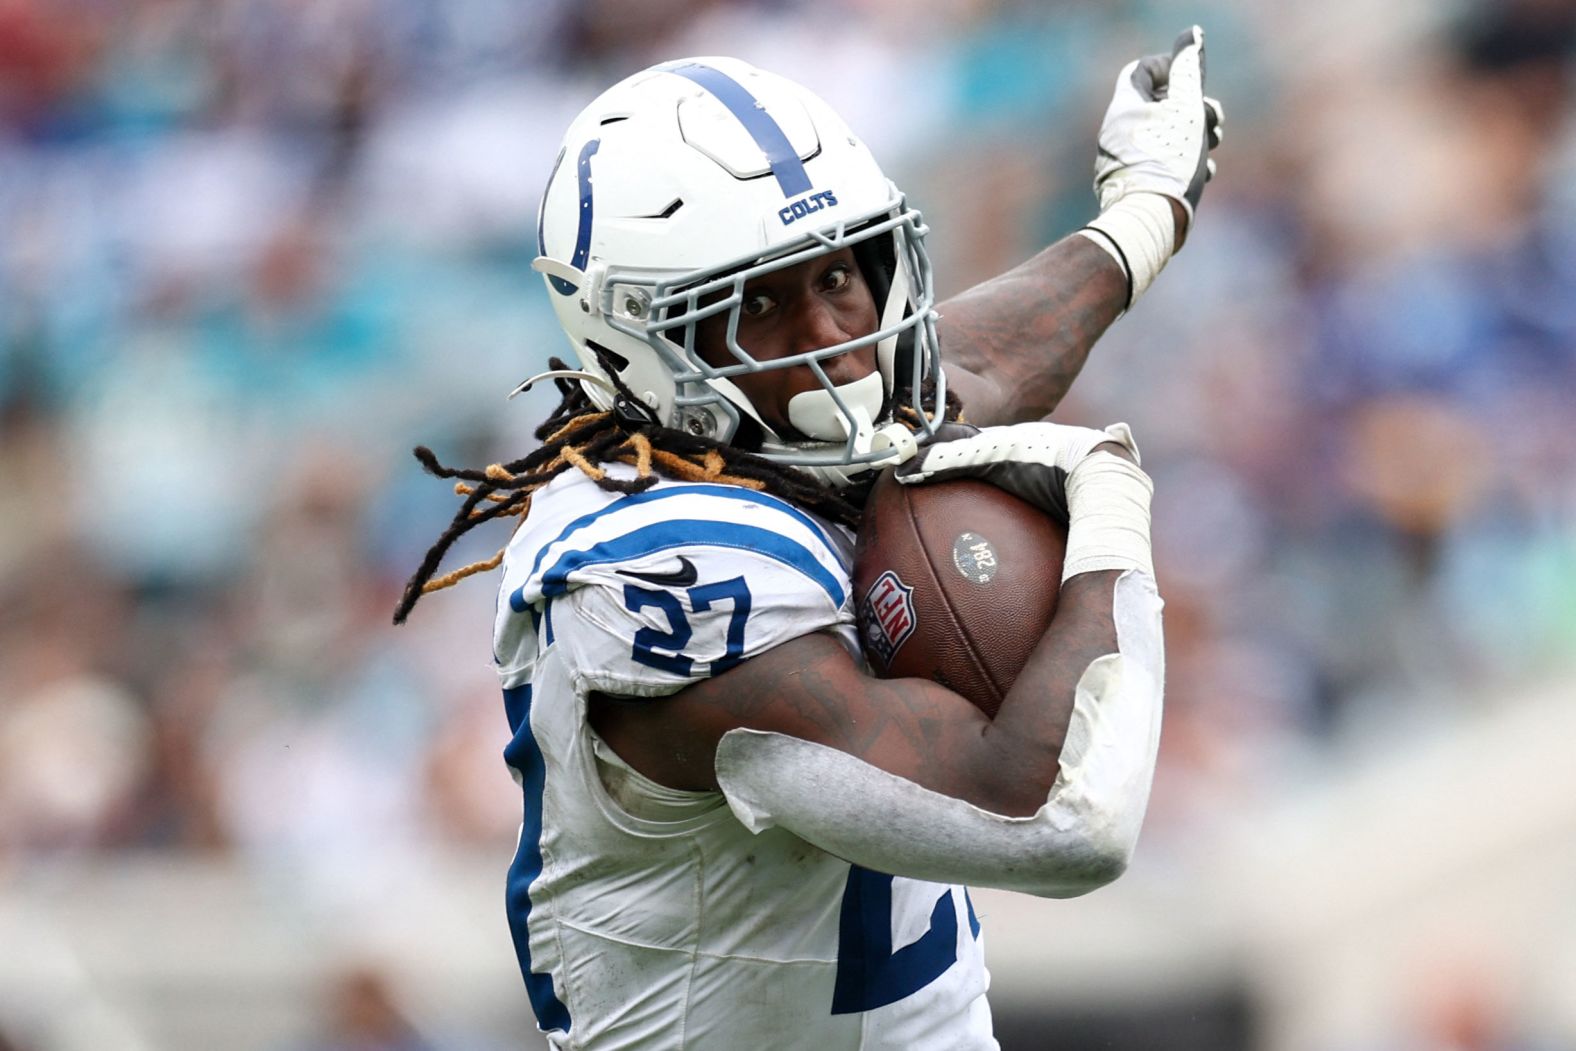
(1029, 460)
(1154, 149)
(1159, 128)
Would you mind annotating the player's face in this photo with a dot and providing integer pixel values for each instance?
(816, 304)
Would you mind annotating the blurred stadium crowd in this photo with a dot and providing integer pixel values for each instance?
(251, 251)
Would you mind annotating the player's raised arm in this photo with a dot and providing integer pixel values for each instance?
(905, 776)
(1014, 344)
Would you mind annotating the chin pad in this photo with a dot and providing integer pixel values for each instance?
(814, 413)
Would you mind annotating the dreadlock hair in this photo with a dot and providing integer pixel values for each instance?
(580, 435)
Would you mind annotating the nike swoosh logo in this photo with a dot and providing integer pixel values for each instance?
(683, 578)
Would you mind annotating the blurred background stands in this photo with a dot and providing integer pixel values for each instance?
(253, 250)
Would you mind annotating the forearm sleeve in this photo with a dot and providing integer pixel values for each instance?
(1080, 839)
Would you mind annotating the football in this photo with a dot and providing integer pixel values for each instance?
(955, 582)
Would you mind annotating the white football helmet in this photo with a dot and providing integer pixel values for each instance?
(674, 189)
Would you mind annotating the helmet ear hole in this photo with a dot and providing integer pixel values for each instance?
(749, 435)
(611, 361)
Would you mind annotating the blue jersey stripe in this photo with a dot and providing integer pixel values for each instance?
(870, 973)
(767, 133)
(525, 755)
(730, 492)
(680, 532)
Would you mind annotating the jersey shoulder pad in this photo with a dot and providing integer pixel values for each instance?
(645, 593)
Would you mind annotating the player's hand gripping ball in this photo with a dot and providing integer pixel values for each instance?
(957, 576)
(956, 581)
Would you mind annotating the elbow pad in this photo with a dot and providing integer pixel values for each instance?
(1083, 836)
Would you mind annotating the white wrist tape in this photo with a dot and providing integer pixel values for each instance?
(1139, 232)
(1108, 504)
(1082, 838)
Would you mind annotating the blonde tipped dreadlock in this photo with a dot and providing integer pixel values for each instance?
(579, 435)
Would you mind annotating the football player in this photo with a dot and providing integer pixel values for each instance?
(733, 834)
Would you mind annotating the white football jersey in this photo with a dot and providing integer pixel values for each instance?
(646, 917)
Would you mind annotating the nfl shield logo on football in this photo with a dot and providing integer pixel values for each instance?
(889, 616)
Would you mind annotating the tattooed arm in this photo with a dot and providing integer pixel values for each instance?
(1015, 343)
(812, 690)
